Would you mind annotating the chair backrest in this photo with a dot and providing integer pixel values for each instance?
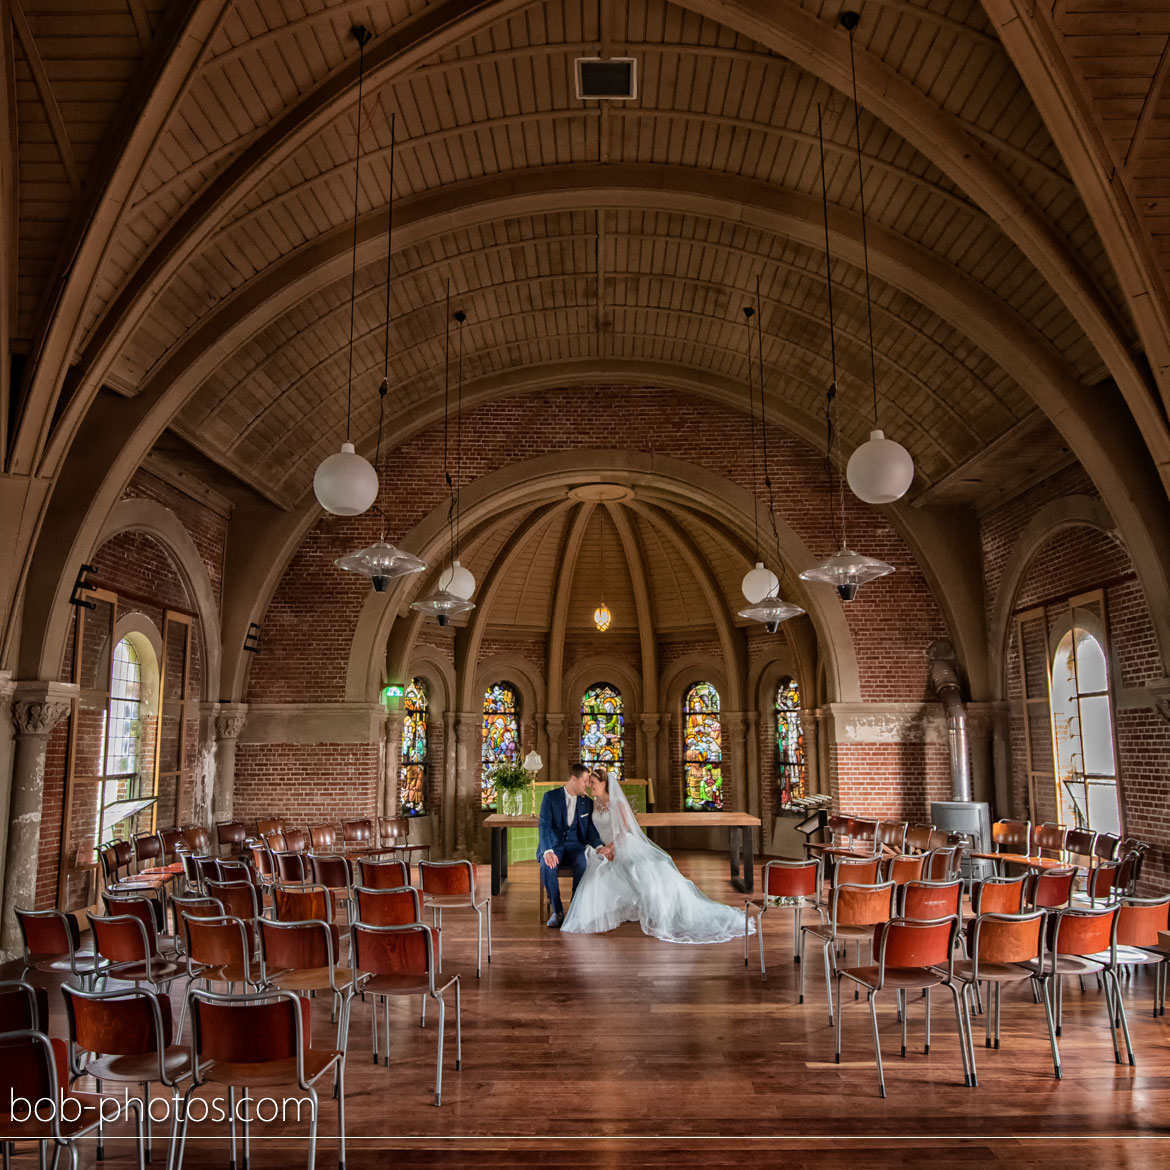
(912, 943)
(107, 859)
(927, 900)
(275, 841)
(215, 942)
(1101, 880)
(234, 871)
(393, 829)
(864, 830)
(134, 905)
(858, 871)
(905, 868)
(943, 863)
(941, 839)
(196, 838)
(1139, 849)
(299, 946)
(1141, 920)
(1106, 846)
(918, 838)
(194, 906)
(48, 933)
(446, 877)
(291, 867)
(840, 827)
(892, 834)
(170, 839)
(1049, 839)
(301, 903)
(863, 905)
(999, 895)
(358, 832)
(122, 938)
(28, 1069)
(262, 859)
(1010, 836)
(1084, 932)
(192, 870)
(265, 825)
(238, 898)
(382, 875)
(128, 1022)
(230, 834)
(1052, 888)
(792, 879)
(23, 1007)
(263, 1028)
(1006, 938)
(296, 840)
(331, 870)
(1125, 879)
(322, 837)
(147, 848)
(388, 907)
(392, 950)
(1080, 842)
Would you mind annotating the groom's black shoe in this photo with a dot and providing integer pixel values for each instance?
(555, 921)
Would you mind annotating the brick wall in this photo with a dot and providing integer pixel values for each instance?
(897, 781)
(305, 782)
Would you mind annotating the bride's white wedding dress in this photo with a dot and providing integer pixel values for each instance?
(642, 884)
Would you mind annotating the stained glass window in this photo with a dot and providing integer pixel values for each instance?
(789, 742)
(602, 725)
(501, 735)
(412, 769)
(703, 744)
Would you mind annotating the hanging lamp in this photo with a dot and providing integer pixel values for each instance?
(759, 581)
(455, 578)
(881, 470)
(770, 608)
(448, 600)
(382, 562)
(345, 484)
(845, 570)
(601, 615)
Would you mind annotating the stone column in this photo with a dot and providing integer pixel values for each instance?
(813, 781)
(666, 785)
(7, 753)
(558, 765)
(388, 806)
(206, 753)
(468, 762)
(446, 835)
(755, 795)
(36, 710)
(229, 722)
(734, 753)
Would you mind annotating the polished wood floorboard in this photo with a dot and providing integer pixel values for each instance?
(614, 1050)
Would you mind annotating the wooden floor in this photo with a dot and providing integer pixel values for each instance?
(621, 1050)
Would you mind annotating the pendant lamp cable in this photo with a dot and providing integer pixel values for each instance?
(748, 313)
(447, 420)
(832, 392)
(460, 317)
(384, 388)
(764, 433)
(363, 35)
(850, 21)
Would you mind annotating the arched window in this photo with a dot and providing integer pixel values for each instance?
(412, 770)
(1082, 725)
(122, 750)
(789, 742)
(602, 727)
(501, 735)
(703, 748)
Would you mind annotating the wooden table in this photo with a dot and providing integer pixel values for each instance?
(739, 825)
(1021, 859)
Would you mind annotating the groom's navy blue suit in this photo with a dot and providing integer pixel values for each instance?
(566, 841)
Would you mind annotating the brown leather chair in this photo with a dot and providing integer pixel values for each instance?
(265, 825)
(1050, 840)
(231, 836)
(395, 834)
(450, 885)
(358, 832)
(382, 873)
(322, 838)
(197, 839)
(918, 838)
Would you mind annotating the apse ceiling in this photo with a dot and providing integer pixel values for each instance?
(618, 242)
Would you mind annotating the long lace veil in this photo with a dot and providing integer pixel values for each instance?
(628, 835)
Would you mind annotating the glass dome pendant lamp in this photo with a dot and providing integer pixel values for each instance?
(845, 570)
(881, 470)
(456, 584)
(761, 587)
(382, 562)
(601, 615)
(345, 483)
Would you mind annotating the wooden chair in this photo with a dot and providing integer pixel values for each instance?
(322, 838)
(379, 874)
(394, 833)
(301, 903)
(230, 835)
(891, 835)
(911, 956)
(197, 906)
(262, 862)
(942, 864)
(1050, 840)
(450, 885)
(304, 957)
(1051, 889)
(171, 841)
(124, 1037)
(999, 895)
(400, 961)
(239, 900)
(1101, 882)
(864, 832)
(1140, 924)
(854, 910)
(129, 945)
(335, 873)
(197, 840)
(794, 885)
(259, 1041)
(1106, 847)
(291, 866)
(857, 871)
(1003, 948)
(358, 832)
(296, 840)
(904, 868)
(926, 901)
(266, 825)
(378, 907)
(51, 940)
(1011, 836)
(150, 856)
(1079, 845)
(918, 838)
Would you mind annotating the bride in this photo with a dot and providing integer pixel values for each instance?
(641, 883)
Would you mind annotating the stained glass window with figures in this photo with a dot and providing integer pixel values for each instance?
(412, 769)
(501, 735)
(703, 748)
(789, 742)
(602, 729)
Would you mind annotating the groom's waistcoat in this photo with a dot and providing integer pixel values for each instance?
(555, 831)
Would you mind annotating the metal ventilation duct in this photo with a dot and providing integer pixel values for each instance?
(607, 79)
(944, 678)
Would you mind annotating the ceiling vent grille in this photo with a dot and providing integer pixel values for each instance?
(607, 79)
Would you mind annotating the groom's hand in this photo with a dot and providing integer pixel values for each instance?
(551, 859)
(606, 851)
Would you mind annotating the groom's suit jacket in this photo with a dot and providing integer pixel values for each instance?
(555, 831)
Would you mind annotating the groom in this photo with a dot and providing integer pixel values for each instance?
(566, 827)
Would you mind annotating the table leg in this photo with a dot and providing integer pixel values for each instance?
(504, 855)
(749, 862)
(734, 843)
(497, 859)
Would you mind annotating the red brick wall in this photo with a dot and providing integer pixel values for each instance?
(896, 781)
(305, 782)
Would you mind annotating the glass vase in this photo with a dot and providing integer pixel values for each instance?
(512, 802)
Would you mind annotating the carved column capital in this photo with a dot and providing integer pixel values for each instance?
(37, 707)
(651, 723)
(230, 720)
(735, 722)
(554, 723)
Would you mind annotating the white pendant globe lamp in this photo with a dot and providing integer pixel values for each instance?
(457, 580)
(346, 484)
(881, 470)
(759, 583)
